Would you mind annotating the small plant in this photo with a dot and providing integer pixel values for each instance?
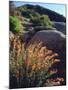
(15, 25)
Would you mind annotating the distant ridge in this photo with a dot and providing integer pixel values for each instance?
(54, 16)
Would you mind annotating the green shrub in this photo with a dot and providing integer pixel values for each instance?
(41, 20)
(15, 25)
(35, 18)
(45, 21)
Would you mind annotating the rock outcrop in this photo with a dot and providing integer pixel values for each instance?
(54, 40)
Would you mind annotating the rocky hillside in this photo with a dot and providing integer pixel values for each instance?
(26, 10)
(38, 18)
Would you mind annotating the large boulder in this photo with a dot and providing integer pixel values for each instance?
(54, 40)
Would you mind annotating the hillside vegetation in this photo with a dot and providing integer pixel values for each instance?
(28, 10)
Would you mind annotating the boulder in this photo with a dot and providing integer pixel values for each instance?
(54, 40)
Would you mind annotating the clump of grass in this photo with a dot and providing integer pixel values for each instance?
(31, 65)
(15, 24)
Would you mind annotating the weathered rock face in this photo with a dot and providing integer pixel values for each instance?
(60, 26)
(54, 40)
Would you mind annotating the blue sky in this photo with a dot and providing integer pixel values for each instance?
(59, 8)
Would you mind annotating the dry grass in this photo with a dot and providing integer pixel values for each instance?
(32, 64)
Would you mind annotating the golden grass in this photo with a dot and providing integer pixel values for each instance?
(34, 61)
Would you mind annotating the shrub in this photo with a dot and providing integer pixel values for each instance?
(35, 18)
(32, 65)
(45, 21)
(15, 24)
(41, 20)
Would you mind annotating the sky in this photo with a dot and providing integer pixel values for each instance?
(59, 8)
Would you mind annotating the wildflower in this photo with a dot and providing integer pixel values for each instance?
(33, 67)
(53, 71)
(36, 61)
(30, 50)
(56, 60)
(56, 83)
(60, 79)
